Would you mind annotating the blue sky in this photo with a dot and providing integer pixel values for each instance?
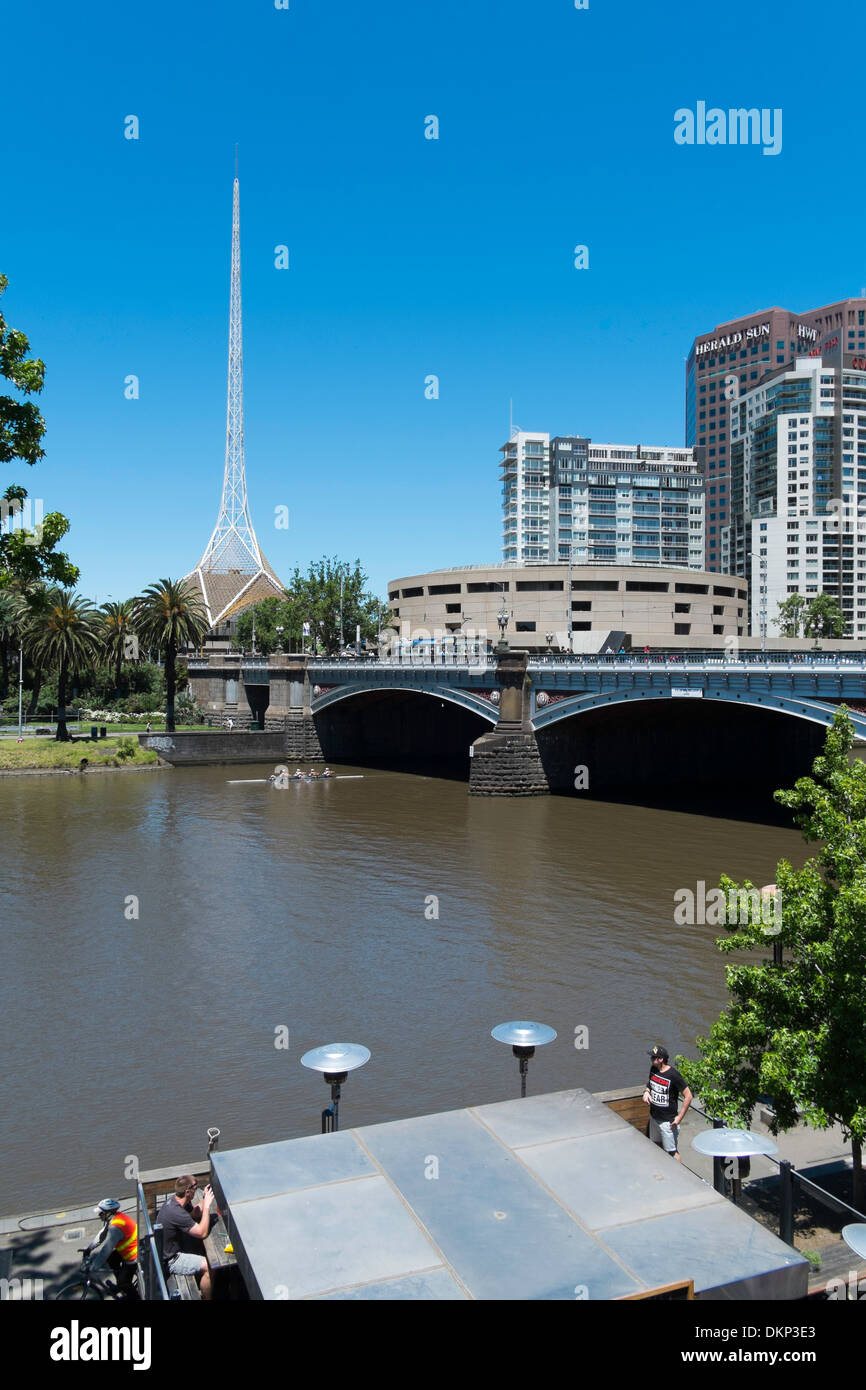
(408, 256)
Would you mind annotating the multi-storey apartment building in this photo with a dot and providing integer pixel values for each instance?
(730, 360)
(798, 486)
(525, 497)
(568, 498)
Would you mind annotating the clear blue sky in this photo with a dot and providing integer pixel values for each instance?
(408, 256)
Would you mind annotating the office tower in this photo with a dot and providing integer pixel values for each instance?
(731, 359)
(798, 485)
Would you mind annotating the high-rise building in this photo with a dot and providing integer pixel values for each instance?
(730, 360)
(798, 485)
(569, 498)
(525, 497)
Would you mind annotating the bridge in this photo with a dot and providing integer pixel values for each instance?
(525, 723)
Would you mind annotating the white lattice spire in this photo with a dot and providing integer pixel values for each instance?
(233, 545)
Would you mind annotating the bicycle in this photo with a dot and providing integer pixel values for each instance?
(95, 1285)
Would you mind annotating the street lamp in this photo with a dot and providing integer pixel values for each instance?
(335, 1061)
(502, 621)
(548, 637)
(524, 1039)
(280, 630)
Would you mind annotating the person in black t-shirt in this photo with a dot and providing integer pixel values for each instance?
(184, 1228)
(663, 1090)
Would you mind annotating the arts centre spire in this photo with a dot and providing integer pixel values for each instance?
(233, 574)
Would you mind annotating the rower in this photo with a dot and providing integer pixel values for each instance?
(297, 774)
(327, 772)
(313, 773)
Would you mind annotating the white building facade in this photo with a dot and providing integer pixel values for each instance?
(567, 498)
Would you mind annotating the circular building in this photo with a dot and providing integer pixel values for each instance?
(606, 605)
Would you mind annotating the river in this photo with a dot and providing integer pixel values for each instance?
(165, 933)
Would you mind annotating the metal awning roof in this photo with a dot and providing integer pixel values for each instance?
(552, 1197)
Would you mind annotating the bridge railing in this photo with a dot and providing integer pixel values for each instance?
(801, 661)
(796, 661)
(409, 658)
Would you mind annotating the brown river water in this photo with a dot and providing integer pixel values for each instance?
(162, 930)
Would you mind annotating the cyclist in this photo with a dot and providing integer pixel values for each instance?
(116, 1245)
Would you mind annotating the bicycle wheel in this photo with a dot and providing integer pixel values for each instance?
(81, 1289)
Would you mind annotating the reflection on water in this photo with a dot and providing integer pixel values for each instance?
(316, 908)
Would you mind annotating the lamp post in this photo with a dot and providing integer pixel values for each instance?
(335, 1061)
(502, 621)
(548, 637)
(524, 1039)
(280, 630)
(20, 688)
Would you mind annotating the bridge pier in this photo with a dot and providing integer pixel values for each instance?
(289, 708)
(506, 762)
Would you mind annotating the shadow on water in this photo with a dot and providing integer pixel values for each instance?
(751, 807)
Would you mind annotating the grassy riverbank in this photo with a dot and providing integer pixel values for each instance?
(45, 754)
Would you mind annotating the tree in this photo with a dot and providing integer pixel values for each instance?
(34, 598)
(797, 1031)
(66, 638)
(315, 598)
(824, 617)
(791, 615)
(269, 614)
(167, 616)
(21, 424)
(28, 551)
(12, 620)
(118, 628)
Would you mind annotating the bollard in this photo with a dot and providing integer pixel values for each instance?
(786, 1201)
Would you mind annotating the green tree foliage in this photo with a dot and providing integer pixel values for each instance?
(270, 613)
(117, 629)
(21, 424)
(314, 597)
(26, 554)
(797, 1031)
(791, 615)
(66, 639)
(824, 617)
(818, 617)
(167, 616)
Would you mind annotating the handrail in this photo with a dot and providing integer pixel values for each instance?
(151, 1275)
(788, 1175)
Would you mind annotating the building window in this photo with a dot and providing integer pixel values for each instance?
(682, 629)
(525, 627)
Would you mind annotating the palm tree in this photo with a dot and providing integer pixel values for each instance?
(33, 597)
(117, 628)
(66, 637)
(12, 615)
(170, 615)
